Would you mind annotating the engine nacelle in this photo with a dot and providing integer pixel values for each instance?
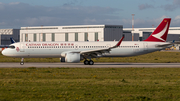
(70, 57)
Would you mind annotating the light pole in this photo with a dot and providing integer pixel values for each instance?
(133, 27)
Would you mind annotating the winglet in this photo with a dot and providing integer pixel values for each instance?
(118, 44)
(120, 41)
(12, 40)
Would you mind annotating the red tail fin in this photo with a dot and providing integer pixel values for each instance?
(160, 33)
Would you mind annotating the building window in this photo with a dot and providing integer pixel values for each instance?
(53, 36)
(76, 36)
(44, 36)
(34, 37)
(66, 36)
(96, 37)
(26, 37)
(86, 37)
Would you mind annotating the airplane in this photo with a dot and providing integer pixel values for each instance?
(73, 52)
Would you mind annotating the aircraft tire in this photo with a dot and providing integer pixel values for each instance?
(91, 62)
(86, 62)
(21, 63)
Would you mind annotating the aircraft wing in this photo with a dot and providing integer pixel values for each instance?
(94, 53)
(7, 46)
(4, 46)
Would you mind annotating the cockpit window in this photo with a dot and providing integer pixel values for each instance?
(11, 47)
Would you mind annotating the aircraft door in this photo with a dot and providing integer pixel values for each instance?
(108, 46)
(22, 47)
(145, 46)
(76, 47)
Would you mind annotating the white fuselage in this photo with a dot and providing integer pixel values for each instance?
(54, 49)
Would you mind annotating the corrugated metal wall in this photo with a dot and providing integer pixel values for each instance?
(111, 34)
(172, 37)
(128, 36)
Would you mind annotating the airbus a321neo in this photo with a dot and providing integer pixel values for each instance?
(76, 51)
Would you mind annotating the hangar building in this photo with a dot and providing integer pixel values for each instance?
(6, 34)
(71, 33)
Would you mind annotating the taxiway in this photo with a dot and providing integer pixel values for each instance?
(96, 65)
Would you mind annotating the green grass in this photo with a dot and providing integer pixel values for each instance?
(156, 57)
(89, 84)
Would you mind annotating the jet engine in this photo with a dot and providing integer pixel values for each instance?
(70, 57)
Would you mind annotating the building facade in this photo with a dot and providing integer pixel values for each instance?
(143, 33)
(90, 33)
(71, 33)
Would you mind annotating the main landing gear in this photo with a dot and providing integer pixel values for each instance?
(22, 61)
(90, 62)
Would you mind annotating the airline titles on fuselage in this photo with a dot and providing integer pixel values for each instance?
(50, 44)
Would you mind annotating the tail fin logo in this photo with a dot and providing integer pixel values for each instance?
(160, 34)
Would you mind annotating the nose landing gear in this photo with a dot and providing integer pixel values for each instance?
(22, 61)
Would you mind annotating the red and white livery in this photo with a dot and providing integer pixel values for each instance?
(77, 51)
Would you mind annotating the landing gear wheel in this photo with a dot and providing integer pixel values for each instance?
(86, 62)
(21, 63)
(91, 62)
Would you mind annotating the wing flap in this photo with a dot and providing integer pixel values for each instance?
(165, 45)
(95, 51)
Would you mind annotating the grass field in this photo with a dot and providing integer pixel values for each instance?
(89, 84)
(155, 57)
(92, 84)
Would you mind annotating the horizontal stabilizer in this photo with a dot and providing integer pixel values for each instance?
(168, 44)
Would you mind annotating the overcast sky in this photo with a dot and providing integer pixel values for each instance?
(24, 13)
